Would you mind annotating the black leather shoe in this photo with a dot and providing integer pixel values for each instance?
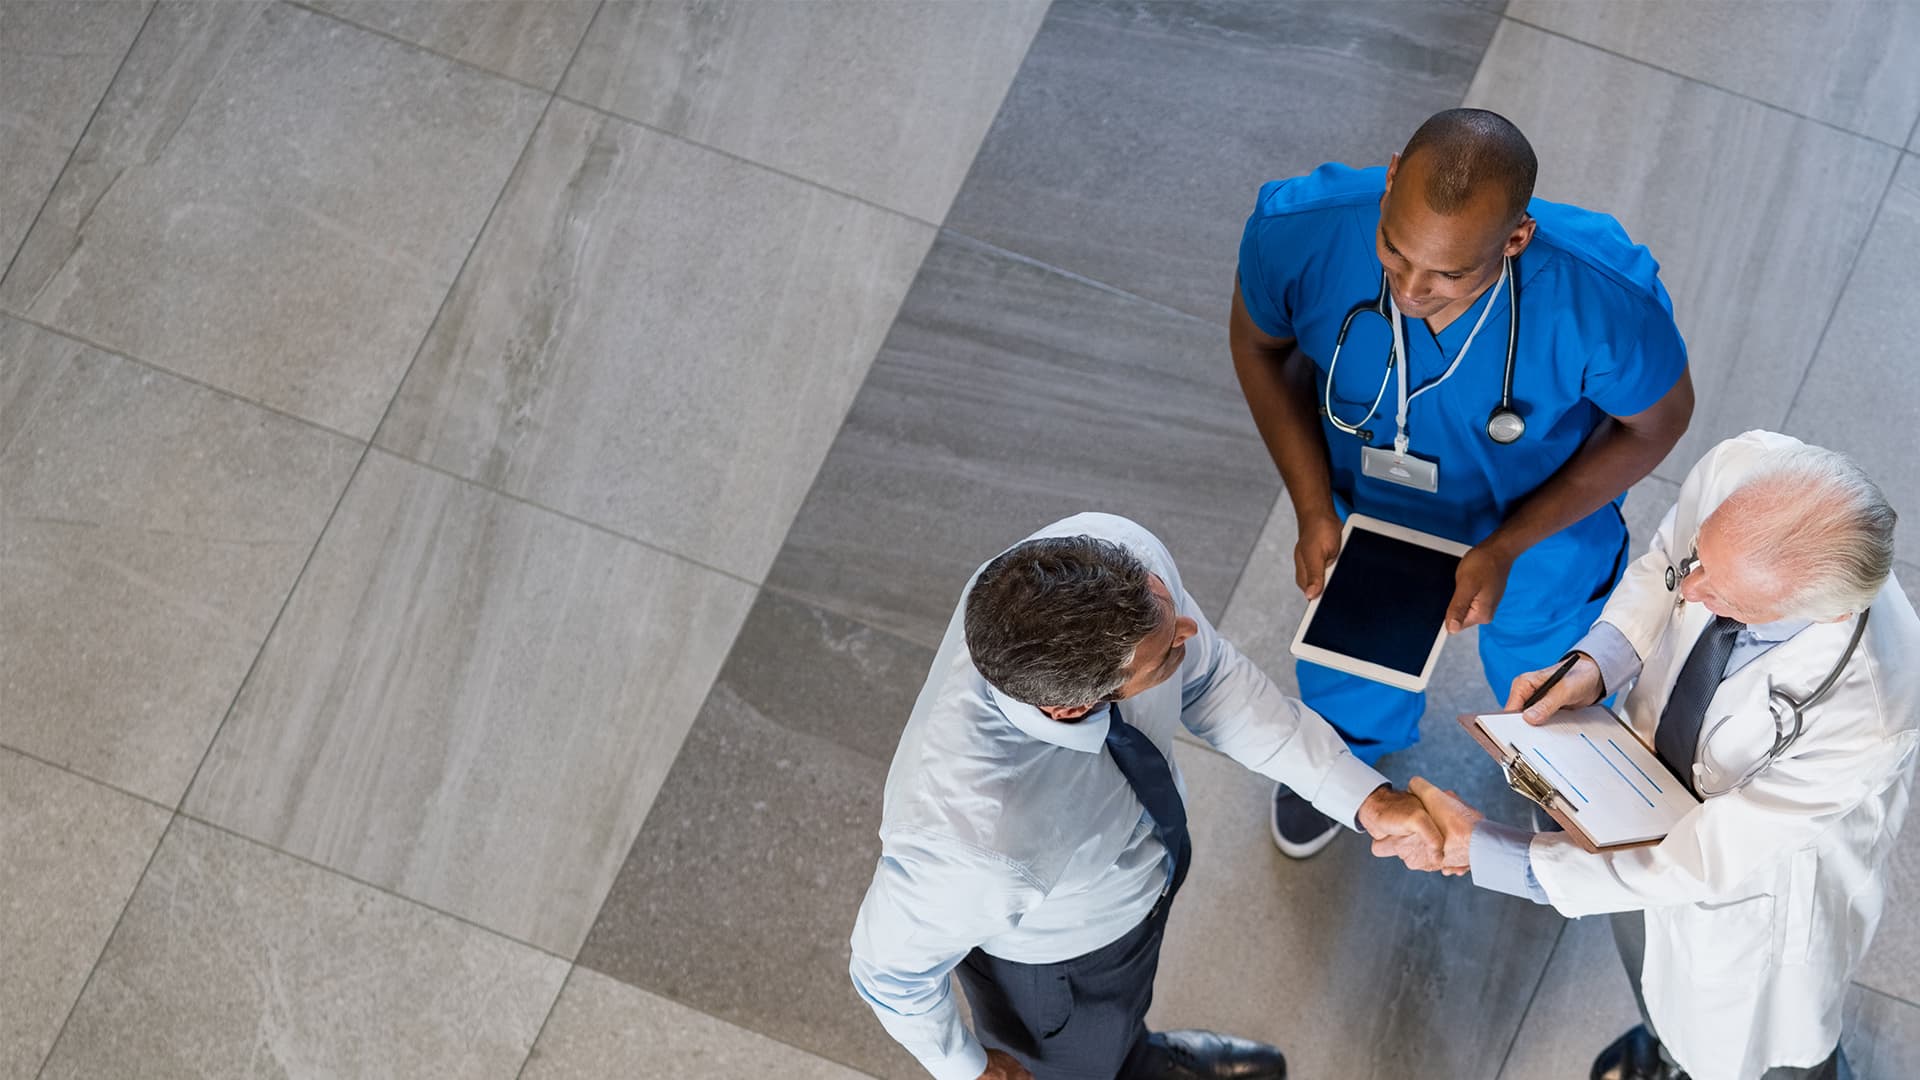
(1634, 1056)
(1194, 1055)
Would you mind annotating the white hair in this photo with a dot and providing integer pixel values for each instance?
(1817, 525)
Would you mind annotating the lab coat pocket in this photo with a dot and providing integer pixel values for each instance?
(1729, 942)
(1800, 901)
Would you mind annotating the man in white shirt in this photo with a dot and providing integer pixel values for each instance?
(1034, 829)
(1771, 655)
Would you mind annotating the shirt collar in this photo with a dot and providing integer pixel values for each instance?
(1088, 735)
(1778, 630)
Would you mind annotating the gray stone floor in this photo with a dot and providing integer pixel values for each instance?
(480, 483)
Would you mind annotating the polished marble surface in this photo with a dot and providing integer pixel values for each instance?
(1755, 215)
(1010, 395)
(149, 532)
(471, 702)
(72, 852)
(1864, 79)
(527, 40)
(1145, 183)
(773, 804)
(55, 62)
(602, 1028)
(657, 338)
(234, 961)
(886, 102)
(1861, 395)
(272, 202)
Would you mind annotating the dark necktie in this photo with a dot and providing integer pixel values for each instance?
(1151, 779)
(1679, 732)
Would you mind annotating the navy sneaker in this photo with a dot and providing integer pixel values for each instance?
(1298, 829)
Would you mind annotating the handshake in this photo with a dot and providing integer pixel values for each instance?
(1425, 827)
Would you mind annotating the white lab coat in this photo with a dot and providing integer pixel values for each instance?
(1761, 902)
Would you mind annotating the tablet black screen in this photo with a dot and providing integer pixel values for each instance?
(1385, 602)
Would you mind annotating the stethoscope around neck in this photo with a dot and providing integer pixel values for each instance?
(1780, 704)
(1504, 425)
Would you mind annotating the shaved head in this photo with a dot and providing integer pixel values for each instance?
(1465, 152)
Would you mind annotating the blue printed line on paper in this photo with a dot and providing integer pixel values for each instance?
(1616, 769)
(1636, 767)
(1561, 775)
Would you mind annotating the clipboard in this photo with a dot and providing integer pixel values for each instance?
(1530, 782)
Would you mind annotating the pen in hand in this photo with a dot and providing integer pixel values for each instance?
(1553, 680)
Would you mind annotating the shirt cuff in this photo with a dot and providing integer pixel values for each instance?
(1613, 653)
(1498, 854)
(1348, 783)
(965, 1064)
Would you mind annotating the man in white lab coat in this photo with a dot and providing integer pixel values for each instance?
(1741, 929)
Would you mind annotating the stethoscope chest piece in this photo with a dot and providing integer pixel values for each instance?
(1505, 427)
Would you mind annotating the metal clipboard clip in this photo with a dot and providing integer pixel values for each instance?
(1527, 781)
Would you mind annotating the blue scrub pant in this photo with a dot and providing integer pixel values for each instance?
(1534, 626)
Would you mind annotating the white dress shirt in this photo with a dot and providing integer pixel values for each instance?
(1016, 833)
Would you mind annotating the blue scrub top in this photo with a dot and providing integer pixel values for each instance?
(1597, 337)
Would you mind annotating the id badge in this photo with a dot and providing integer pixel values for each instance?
(1382, 463)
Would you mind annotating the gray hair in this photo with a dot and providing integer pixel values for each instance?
(1055, 621)
(1819, 526)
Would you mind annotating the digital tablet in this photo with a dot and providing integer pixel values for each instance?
(1383, 612)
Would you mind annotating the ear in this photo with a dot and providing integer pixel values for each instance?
(1065, 712)
(1520, 237)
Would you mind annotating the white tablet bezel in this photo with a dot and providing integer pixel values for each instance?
(1362, 668)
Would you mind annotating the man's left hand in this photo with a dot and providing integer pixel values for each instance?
(1456, 820)
(1401, 828)
(1479, 584)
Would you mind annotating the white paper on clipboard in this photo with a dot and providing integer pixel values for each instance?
(1607, 779)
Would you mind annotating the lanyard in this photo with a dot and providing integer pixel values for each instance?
(1400, 350)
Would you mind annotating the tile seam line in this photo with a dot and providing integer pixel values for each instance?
(1513, 1041)
(81, 776)
(60, 1033)
(334, 16)
(105, 92)
(315, 425)
(384, 890)
(1887, 995)
(573, 962)
(1697, 81)
(1840, 296)
(609, 113)
(1078, 278)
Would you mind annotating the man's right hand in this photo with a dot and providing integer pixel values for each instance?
(1318, 546)
(1581, 688)
(1004, 1066)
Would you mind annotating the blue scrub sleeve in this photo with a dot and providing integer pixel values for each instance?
(1271, 256)
(1628, 376)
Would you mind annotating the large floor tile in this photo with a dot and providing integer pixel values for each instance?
(1357, 967)
(1755, 215)
(528, 40)
(1584, 1002)
(72, 852)
(1009, 395)
(273, 202)
(602, 1028)
(657, 338)
(1849, 63)
(740, 893)
(1881, 1036)
(1133, 141)
(884, 101)
(151, 530)
(470, 701)
(236, 962)
(56, 60)
(1861, 395)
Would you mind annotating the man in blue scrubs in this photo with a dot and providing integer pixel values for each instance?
(1431, 250)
